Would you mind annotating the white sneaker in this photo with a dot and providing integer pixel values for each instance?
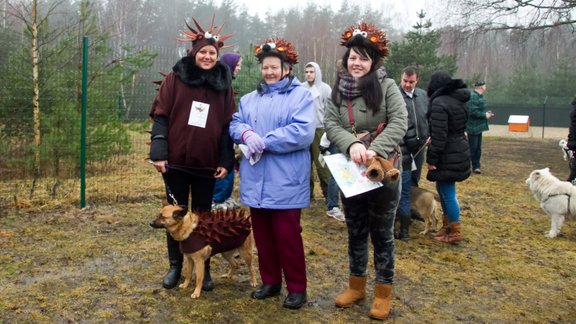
(231, 203)
(219, 206)
(336, 213)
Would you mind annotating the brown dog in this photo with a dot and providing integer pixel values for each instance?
(206, 234)
(424, 202)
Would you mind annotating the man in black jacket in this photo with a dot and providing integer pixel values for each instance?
(417, 106)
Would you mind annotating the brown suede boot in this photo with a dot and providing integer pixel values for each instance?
(454, 234)
(444, 230)
(356, 292)
(382, 301)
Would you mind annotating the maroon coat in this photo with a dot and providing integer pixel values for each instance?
(192, 146)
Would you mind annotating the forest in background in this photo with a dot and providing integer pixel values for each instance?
(130, 42)
(530, 62)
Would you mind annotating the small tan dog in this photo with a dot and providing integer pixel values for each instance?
(424, 203)
(207, 234)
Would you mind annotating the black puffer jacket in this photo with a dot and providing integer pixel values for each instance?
(449, 150)
(572, 129)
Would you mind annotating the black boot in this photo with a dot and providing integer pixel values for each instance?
(207, 283)
(405, 221)
(175, 258)
(415, 215)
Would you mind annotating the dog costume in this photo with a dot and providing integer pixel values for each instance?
(222, 230)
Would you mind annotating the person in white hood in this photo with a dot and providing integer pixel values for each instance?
(320, 93)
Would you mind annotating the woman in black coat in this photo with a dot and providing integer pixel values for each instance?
(448, 156)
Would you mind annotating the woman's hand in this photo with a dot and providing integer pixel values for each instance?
(160, 165)
(358, 153)
(220, 173)
(370, 155)
(431, 167)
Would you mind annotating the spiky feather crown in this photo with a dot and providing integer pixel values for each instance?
(366, 35)
(201, 38)
(278, 47)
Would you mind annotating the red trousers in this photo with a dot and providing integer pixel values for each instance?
(277, 233)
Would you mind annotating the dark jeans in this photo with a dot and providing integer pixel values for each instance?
(224, 187)
(475, 142)
(182, 184)
(404, 206)
(372, 214)
(419, 161)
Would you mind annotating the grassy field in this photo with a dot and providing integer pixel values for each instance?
(104, 264)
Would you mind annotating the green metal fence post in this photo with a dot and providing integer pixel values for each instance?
(83, 126)
(544, 116)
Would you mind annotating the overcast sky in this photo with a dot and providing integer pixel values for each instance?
(402, 12)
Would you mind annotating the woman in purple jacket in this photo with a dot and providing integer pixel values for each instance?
(276, 122)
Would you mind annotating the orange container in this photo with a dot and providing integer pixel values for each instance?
(518, 123)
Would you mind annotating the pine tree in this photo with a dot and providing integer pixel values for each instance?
(419, 48)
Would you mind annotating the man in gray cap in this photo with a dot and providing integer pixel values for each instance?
(477, 123)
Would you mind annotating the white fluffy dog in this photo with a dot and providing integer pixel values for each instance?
(557, 198)
(566, 152)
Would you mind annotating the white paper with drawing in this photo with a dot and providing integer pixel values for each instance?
(350, 177)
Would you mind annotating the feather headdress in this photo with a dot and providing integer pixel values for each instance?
(200, 38)
(278, 47)
(366, 35)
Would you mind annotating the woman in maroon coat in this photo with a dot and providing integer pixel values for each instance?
(190, 144)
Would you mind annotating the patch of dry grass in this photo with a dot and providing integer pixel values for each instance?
(105, 264)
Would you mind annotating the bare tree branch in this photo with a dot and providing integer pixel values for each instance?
(511, 14)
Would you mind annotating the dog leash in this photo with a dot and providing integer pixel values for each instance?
(171, 195)
(190, 170)
(420, 150)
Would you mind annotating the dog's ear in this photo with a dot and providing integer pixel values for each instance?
(180, 212)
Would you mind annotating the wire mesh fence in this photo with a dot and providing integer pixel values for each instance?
(40, 157)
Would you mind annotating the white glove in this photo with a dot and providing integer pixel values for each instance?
(324, 142)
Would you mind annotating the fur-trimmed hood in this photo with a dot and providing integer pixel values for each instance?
(217, 77)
